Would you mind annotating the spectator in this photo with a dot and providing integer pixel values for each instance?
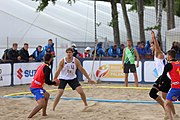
(87, 52)
(122, 46)
(13, 53)
(38, 54)
(175, 46)
(114, 51)
(138, 47)
(5, 55)
(24, 53)
(100, 51)
(142, 50)
(50, 46)
(76, 53)
(148, 48)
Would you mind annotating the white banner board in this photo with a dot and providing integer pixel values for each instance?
(150, 73)
(24, 72)
(5, 74)
(109, 70)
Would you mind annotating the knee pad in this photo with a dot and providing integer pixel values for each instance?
(153, 93)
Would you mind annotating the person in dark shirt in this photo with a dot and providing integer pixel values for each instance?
(42, 76)
(173, 68)
(13, 53)
(24, 53)
(76, 53)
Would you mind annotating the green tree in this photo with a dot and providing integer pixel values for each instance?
(159, 20)
(44, 3)
(115, 23)
(170, 14)
(126, 19)
(140, 10)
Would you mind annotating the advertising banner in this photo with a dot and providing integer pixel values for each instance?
(5, 74)
(24, 72)
(150, 72)
(109, 70)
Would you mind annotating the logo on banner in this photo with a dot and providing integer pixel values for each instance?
(102, 71)
(19, 73)
(25, 73)
(110, 71)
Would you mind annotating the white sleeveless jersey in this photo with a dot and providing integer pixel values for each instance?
(69, 70)
(160, 63)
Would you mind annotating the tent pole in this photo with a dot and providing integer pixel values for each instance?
(56, 52)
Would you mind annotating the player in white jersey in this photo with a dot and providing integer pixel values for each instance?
(67, 70)
(160, 61)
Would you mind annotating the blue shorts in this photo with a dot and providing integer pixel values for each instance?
(38, 92)
(173, 94)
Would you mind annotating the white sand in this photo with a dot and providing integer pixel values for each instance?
(18, 109)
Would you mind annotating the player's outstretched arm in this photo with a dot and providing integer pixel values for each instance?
(156, 44)
(79, 66)
(137, 56)
(59, 69)
(47, 72)
(123, 56)
(168, 67)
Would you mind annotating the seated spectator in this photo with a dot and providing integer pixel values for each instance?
(5, 55)
(122, 46)
(148, 48)
(23, 52)
(100, 51)
(138, 47)
(87, 52)
(176, 47)
(76, 53)
(13, 53)
(114, 51)
(38, 54)
(142, 50)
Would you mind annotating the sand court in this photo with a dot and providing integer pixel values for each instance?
(19, 108)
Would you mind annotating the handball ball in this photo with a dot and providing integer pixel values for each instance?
(53, 53)
(57, 82)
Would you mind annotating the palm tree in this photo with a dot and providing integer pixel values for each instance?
(126, 19)
(159, 20)
(156, 7)
(170, 14)
(114, 22)
(140, 9)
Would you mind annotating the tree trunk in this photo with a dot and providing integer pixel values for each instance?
(115, 22)
(126, 19)
(140, 9)
(159, 21)
(170, 14)
(156, 7)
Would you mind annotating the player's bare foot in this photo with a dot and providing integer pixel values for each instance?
(86, 108)
(176, 117)
(44, 115)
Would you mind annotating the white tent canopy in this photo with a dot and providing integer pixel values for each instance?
(172, 35)
(21, 23)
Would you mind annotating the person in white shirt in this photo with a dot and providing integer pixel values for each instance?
(67, 75)
(160, 62)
